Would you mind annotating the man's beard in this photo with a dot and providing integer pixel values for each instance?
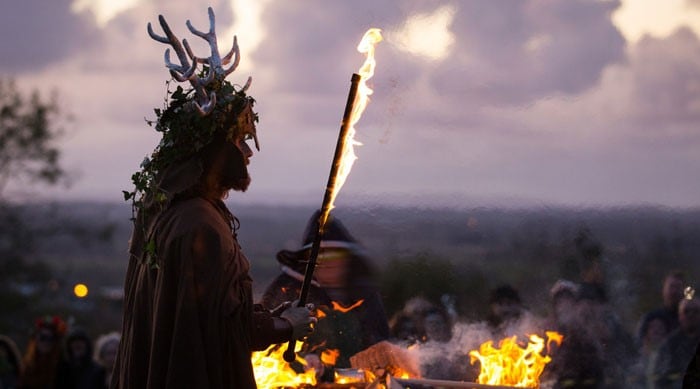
(237, 177)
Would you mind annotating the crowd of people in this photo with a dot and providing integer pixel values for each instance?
(58, 357)
(597, 351)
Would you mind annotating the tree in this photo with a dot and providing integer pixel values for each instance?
(28, 155)
(28, 134)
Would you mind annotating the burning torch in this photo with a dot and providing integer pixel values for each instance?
(343, 158)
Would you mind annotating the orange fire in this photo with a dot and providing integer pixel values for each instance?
(330, 356)
(366, 46)
(340, 308)
(511, 364)
(271, 370)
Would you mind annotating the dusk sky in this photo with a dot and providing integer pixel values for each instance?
(476, 102)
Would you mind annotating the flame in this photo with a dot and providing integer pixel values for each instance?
(511, 364)
(340, 308)
(330, 356)
(366, 46)
(271, 370)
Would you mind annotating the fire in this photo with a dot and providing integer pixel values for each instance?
(366, 46)
(271, 371)
(330, 356)
(511, 364)
(340, 308)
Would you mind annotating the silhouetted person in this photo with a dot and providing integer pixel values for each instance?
(343, 289)
(506, 312)
(77, 369)
(578, 361)
(106, 347)
(671, 294)
(617, 345)
(679, 348)
(43, 353)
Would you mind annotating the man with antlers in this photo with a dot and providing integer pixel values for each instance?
(189, 320)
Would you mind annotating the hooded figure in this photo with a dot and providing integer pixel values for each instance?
(353, 316)
(189, 318)
(78, 370)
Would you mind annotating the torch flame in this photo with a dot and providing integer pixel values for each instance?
(511, 364)
(366, 46)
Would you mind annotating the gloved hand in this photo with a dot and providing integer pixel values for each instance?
(301, 318)
(277, 311)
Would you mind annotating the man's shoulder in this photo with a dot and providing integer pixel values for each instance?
(195, 214)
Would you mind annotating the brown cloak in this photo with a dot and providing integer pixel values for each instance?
(190, 321)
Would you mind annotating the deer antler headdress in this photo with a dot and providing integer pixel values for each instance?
(192, 116)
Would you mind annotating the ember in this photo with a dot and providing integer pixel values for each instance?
(340, 308)
(511, 364)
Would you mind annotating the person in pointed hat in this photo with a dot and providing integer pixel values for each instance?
(343, 289)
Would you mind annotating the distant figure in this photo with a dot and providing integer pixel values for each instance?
(10, 363)
(77, 369)
(679, 348)
(578, 361)
(106, 347)
(672, 294)
(43, 353)
(617, 345)
(506, 311)
(352, 313)
(652, 332)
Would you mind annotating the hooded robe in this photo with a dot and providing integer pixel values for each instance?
(189, 319)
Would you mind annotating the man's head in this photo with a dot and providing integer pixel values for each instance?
(672, 291)
(505, 303)
(225, 163)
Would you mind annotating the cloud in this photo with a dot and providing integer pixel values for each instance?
(510, 53)
(532, 100)
(39, 33)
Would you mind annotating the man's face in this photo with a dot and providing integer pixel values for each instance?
(672, 291)
(231, 164)
(78, 348)
(45, 341)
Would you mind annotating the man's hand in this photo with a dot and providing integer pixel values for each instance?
(300, 318)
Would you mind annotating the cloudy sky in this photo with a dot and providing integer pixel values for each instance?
(476, 102)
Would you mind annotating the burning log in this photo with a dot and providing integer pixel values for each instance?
(413, 382)
(386, 356)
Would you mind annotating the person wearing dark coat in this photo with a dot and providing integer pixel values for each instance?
(678, 350)
(342, 289)
(77, 370)
(189, 318)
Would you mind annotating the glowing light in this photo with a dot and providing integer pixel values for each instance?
(80, 290)
(427, 35)
(511, 364)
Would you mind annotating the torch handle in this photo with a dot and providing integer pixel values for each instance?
(289, 354)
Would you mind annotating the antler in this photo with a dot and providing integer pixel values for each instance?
(215, 62)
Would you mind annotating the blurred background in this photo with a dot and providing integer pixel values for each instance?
(505, 142)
